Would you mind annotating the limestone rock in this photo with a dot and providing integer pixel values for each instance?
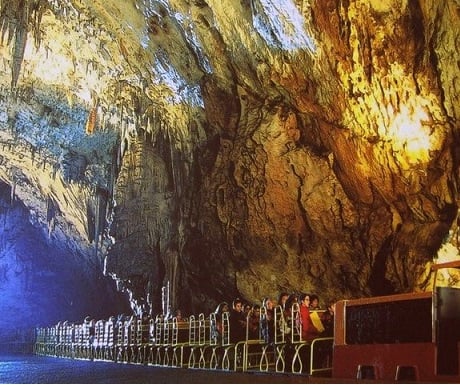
(244, 148)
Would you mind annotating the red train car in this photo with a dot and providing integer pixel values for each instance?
(405, 337)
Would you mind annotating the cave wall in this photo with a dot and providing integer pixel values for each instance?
(302, 183)
(259, 148)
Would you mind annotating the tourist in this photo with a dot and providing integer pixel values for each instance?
(309, 332)
(237, 322)
(314, 302)
(268, 320)
(283, 297)
(220, 309)
(253, 321)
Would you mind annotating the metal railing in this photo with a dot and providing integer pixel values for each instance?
(189, 344)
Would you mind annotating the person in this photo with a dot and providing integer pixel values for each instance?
(253, 321)
(309, 331)
(217, 328)
(283, 325)
(246, 309)
(327, 319)
(283, 297)
(268, 304)
(314, 302)
(222, 308)
(316, 313)
(145, 325)
(268, 320)
(292, 299)
(178, 315)
(237, 322)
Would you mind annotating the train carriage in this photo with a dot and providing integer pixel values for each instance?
(404, 337)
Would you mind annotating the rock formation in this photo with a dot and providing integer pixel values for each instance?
(238, 148)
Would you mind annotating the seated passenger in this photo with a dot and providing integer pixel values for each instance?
(237, 321)
(314, 302)
(283, 297)
(220, 309)
(254, 323)
(268, 320)
(327, 319)
(309, 331)
(292, 299)
(316, 313)
(178, 315)
(145, 327)
(247, 308)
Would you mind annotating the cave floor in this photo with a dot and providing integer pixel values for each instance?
(31, 369)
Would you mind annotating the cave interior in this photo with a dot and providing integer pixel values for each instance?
(223, 149)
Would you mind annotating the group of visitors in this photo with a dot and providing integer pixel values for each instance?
(246, 322)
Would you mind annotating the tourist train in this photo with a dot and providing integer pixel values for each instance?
(404, 337)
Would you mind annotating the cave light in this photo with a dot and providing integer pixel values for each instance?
(55, 68)
(279, 22)
(409, 133)
(50, 69)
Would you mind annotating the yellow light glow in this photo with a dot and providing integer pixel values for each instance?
(55, 64)
(409, 134)
(448, 253)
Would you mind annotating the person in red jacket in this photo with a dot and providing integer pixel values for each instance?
(309, 332)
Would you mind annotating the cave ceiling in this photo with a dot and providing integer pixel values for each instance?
(237, 147)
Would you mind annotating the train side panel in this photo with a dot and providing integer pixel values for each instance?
(380, 334)
(384, 359)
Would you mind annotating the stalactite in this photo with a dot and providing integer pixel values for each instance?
(38, 9)
(173, 277)
(102, 196)
(15, 18)
(20, 42)
(50, 214)
(92, 117)
(96, 221)
(176, 186)
(90, 221)
(13, 192)
(114, 169)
